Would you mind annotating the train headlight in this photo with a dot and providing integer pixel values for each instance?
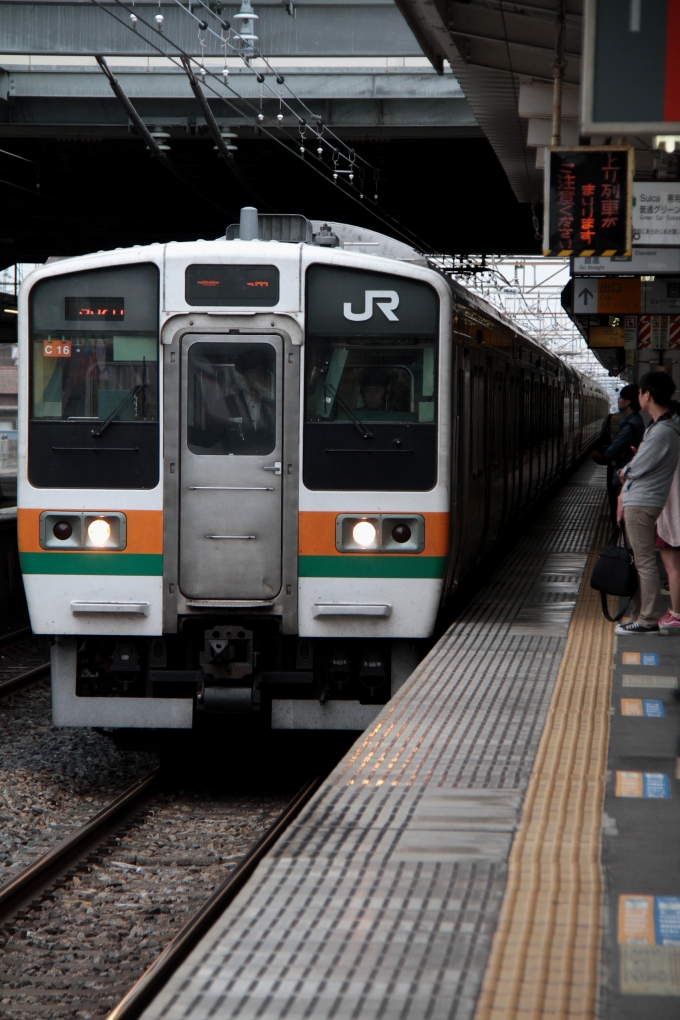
(99, 532)
(380, 533)
(69, 530)
(364, 534)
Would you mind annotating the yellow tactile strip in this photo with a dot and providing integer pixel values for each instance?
(544, 957)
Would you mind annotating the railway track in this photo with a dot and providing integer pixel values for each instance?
(28, 677)
(142, 992)
(42, 905)
(40, 875)
(49, 884)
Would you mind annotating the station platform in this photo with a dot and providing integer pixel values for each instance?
(484, 850)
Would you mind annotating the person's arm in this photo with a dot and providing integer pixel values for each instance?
(619, 509)
(625, 438)
(650, 454)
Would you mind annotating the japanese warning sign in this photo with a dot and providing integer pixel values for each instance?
(588, 199)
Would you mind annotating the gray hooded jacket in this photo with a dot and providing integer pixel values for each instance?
(648, 476)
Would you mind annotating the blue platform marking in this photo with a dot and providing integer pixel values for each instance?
(655, 784)
(653, 709)
(667, 920)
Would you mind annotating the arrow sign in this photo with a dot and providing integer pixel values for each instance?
(585, 297)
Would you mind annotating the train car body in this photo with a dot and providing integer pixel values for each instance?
(251, 472)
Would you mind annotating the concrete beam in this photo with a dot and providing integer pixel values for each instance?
(333, 28)
(172, 83)
(386, 104)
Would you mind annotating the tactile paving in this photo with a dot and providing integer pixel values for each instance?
(382, 899)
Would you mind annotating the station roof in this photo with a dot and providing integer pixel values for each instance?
(502, 54)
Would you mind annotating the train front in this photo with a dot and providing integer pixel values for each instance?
(233, 480)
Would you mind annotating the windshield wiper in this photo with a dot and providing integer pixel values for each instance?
(359, 425)
(134, 392)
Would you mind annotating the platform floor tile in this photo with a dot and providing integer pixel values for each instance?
(381, 901)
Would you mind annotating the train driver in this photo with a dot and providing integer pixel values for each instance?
(373, 389)
(251, 408)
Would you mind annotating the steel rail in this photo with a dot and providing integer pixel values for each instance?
(14, 635)
(38, 877)
(31, 676)
(166, 963)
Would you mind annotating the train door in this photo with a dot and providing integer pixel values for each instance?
(230, 467)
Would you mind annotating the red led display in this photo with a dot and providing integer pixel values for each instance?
(87, 309)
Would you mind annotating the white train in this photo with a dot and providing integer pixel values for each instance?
(252, 470)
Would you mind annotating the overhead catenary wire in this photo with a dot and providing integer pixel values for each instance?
(281, 81)
(407, 235)
(23, 159)
(203, 26)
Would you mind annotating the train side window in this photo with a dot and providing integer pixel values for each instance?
(94, 379)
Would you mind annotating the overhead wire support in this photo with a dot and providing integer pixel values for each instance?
(349, 192)
(147, 137)
(213, 127)
(205, 110)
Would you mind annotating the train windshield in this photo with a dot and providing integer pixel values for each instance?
(356, 379)
(94, 346)
(94, 379)
(371, 354)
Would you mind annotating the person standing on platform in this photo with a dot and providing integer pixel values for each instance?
(621, 449)
(668, 542)
(646, 484)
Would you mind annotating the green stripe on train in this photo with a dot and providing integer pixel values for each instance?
(372, 566)
(146, 564)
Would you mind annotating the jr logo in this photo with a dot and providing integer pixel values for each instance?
(386, 300)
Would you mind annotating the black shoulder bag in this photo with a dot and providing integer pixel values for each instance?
(614, 573)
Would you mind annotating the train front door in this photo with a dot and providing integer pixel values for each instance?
(230, 463)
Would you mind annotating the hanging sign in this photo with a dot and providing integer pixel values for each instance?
(587, 203)
(656, 213)
(642, 262)
(631, 73)
(608, 296)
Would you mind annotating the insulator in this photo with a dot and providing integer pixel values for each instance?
(159, 19)
(351, 177)
(133, 19)
(279, 117)
(203, 25)
(225, 73)
(280, 79)
(260, 78)
(320, 151)
(260, 117)
(302, 149)
(335, 177)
